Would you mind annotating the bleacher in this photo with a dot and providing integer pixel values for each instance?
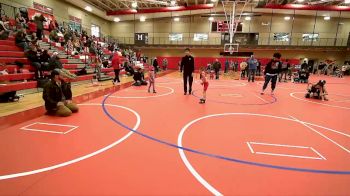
(10, 54)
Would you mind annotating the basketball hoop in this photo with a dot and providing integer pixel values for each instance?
(230, 13)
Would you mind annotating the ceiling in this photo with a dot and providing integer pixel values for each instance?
(100, 7)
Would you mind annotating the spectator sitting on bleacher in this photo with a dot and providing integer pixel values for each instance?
(32, 28)
(55, 64)
(54, 36)
(34, 57)
(4, 32)
(44, 60)
(20, 21)
(58, 96)
(21, 40)
(128, 69)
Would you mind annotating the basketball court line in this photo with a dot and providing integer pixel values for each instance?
(325, 104)
(319, 133)
(45, 169)
(209, 187)
(284, 155)
(48, 131)
(146, 97)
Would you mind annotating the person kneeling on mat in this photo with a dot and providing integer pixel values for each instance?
(139, 78)
(317, 91)
(58, 96)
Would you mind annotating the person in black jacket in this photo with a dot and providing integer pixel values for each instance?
(187, 67)
(271, 72)
(58, 96)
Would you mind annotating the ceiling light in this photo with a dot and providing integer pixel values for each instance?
(172, 3)
(213, 0)
(134, 4)
(177, 19)
(211, 18)
(300, 1)
(88, 8)
(347, 1)
(287, 18)
(327, 18)
(248, 18)
(142, 19)
(116, 19)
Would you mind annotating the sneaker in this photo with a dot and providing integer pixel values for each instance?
(154, 92)
(185, 93)
(262, 93)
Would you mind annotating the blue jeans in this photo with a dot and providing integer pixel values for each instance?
(273, 81)
(251, 74)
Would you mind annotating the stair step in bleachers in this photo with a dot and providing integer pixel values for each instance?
(17, 86)
(10, 48)
(7, 60)
(11, 54)
(7, 42)
(17, 76)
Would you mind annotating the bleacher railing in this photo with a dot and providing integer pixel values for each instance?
(263, 41)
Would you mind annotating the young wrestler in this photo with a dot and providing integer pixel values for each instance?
(151, 79)
(317, 91)
(205, 84)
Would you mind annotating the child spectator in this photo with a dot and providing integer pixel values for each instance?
(151, 79)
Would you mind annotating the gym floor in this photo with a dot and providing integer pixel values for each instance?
(135, 143)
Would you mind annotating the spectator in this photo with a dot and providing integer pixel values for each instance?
(243, 67)
(155, 64)
(34, 57)
(4, 32)
(116, 61)
(252, 65)
(227, 66)
(53, 25)
(139, 78)
(128, 69)
(39, 20)
(217, 67)
(258, 69)
(284, 71)
(55, 64)
(304, 66)
(165, 64)
(32, 27)
(20, 21)
(44, 60)
(54, 36)
(58, 96)
(21, 40)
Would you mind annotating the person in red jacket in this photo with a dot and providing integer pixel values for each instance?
(116, 61)
(32, 28)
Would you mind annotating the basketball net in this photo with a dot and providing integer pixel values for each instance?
(229, 7)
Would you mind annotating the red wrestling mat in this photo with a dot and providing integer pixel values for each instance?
(238, 143)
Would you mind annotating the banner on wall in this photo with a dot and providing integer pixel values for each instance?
(42, 8)
(141, 38)
(33, 12)
(223, 26)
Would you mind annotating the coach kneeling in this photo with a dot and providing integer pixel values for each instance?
(58, 96)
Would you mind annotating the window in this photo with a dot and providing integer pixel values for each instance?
(281, 37)
(200, 37)
(308, 37)
(175, 37)
(95, 30)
